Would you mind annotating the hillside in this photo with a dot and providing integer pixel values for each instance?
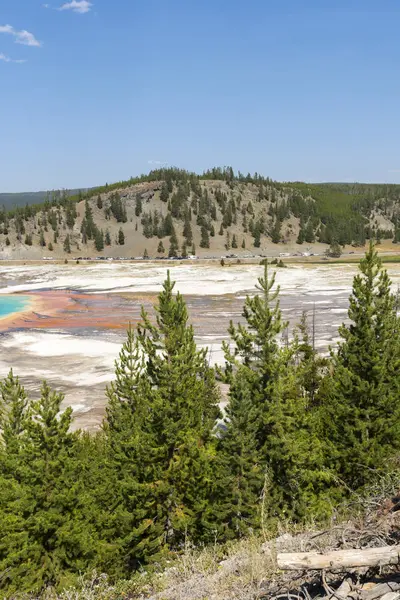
(175, 213)
(13, 200)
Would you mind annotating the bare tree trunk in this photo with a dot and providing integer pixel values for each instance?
(340, 559)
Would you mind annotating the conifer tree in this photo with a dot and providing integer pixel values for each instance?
(363, 409)
(173, 248)
(205, 238)
(45, 525)
(160, 248)
(13, 406)
(67, 244)
(162, 411)
(121, 237)
(268, 417)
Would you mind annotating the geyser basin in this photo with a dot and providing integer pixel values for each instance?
(13, 304)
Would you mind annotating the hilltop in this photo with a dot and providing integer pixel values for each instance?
(171, 212)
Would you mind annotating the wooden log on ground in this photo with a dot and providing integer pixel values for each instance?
(340, 559)
(380, 591)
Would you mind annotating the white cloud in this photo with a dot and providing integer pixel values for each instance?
(7, 59)
(78, 6)
(21, 37)
(156, 162)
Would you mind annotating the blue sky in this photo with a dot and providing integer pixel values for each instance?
(293, 89)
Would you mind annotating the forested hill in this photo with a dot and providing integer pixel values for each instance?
(12, 200)
(171, 212)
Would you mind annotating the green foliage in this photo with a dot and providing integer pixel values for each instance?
(300, 430)
(163, 407)
(99, 240)
(121, 237)
(365, 426)
(67, 244)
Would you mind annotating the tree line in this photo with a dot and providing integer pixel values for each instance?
(301, 432)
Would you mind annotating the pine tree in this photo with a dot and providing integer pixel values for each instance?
(269, 422)
(163, 408)
(50, 247)
(164, 194)
(146, 254)
(67, 244)
(184, 253)
(234, 241)
(45, 525)
(138, 205)
(107, 238)
(243, 243)
(99, 202)
(42, 240)
(99, 240)
(161, 248)
(187, 231)
(173, 248)
(13, 405)
(362, 410)
(205, 238)
(121, 237)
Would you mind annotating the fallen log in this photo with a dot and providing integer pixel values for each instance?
(340, 559)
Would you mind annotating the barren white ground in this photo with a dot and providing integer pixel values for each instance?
(81, 363)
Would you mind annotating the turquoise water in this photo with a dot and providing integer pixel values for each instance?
(11, 304)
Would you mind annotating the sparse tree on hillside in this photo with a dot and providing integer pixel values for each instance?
(138, 205)
(99, 202)
(107, 239)
(42, 241)
(205, 239)
(99, 240)
(173, 248)
(160, 248)
(121, 237)
(67, 244)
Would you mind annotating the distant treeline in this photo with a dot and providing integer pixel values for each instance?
(301, 433)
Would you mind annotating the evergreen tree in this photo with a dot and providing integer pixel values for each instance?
(164, 194)
(50, 247)
(99, 240)
(42, 240)
(162, 411)
(107, 238)
(184, 253)
(161, 248)
(99, 202)
(146, 254)
(67, 244)
(205, 238)
(276, 232)
(90, 226)
(363, 412)
(173, 247)
(243, 243)
(121, 237)
(269, 422)
(45, 525)
(138, 205)
(234, 241)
